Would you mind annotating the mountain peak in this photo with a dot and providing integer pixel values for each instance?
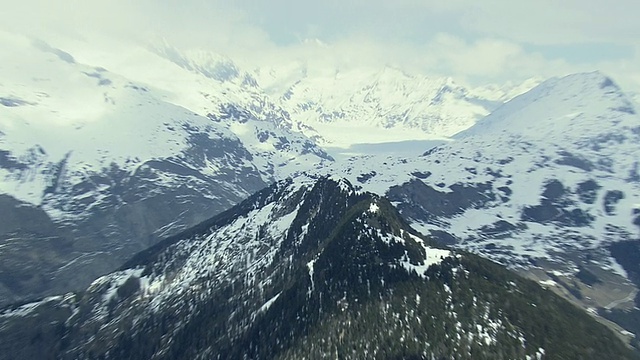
(573, 106)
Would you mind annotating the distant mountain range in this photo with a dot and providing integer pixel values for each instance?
(379, 104)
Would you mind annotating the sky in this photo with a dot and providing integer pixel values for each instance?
(478, 42)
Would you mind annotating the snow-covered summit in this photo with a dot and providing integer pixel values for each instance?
(568, 107)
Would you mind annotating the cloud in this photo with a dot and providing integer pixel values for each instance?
(625, 71)
(190, 22)
(541, 22)
(488, 41)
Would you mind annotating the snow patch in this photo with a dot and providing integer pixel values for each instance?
(27, 309)
(548, 283)
(434, 256)
(373, 208)
(116, 280)
(268, 304)
(310, 266)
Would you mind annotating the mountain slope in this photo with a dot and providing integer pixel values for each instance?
(311, 269)
(116, 164)
(561, 158)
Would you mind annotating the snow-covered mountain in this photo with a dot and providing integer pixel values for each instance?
(547, 183)
(104, 150)
(305, 269)
(379, 105)
(111, 164)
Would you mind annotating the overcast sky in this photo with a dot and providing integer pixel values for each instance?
(488, 41)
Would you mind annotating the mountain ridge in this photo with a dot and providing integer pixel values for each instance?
(351, 263)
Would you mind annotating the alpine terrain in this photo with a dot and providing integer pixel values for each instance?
(189, 208)
(306, 269)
